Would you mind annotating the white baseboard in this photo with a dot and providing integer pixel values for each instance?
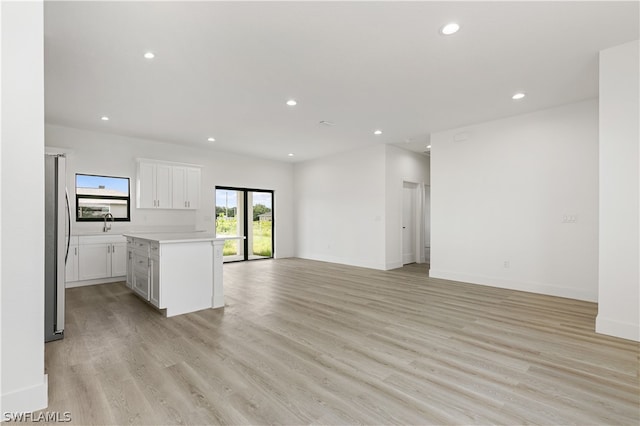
(71, 284)
(393, 265)
(540, 288)
(409, 258)
(361, 263)
(26, 400)
(615, 328)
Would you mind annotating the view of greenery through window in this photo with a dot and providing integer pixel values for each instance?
(261, 235)
(227, 223)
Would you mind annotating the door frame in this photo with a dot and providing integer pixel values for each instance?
(426, 214)
(245, 217)
(418, 219)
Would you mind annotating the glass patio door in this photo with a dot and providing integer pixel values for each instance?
(248, 213)
(230, 222)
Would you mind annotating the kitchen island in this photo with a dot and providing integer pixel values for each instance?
(178, 272)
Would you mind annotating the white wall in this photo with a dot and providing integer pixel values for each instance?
(619, 272)
(23, 384)
(501, 195)
(402, 166)
(340, 208)
(113, 155)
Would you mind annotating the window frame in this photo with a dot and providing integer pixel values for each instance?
(245, 219)
(103, 197)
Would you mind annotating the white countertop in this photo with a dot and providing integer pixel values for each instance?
(179, 237)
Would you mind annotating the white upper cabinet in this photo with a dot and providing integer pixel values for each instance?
(193, 188)
(168, 185)
(186, 187)
(163, 186)
(145, 191)
(153, 186)
(179, 186)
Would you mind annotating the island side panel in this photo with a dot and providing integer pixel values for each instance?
(186, 276)
(218, 289)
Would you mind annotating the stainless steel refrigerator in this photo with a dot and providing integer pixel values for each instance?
(56, 245)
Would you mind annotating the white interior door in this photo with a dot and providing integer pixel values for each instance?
(427, 224)
(408, 224)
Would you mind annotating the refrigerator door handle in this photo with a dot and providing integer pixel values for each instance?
(66, 197)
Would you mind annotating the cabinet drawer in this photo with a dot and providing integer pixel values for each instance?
(140, 262)
(141, 245)
(154, 249)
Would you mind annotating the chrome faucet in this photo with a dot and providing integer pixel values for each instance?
(107, 227)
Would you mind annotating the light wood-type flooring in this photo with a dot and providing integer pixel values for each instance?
(305, 342)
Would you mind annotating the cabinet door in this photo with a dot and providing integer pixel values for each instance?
(163, 186)
(130, 267)
(94, 261)
(145, 187)
(71, 268)
(141, 275)
(179, 183)
(154, 269)
(141, 283)
(193, 188)
(118, 259)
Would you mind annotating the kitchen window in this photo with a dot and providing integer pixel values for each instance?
(97, 196)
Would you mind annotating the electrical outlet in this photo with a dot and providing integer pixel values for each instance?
(506, 264)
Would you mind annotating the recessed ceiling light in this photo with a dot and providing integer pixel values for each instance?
(428, 146)
(149, 55)
(104, 118)
(518, 96)
(450, 28)
(377, 132)
(291, 102)
(290, 154)
(211, 139)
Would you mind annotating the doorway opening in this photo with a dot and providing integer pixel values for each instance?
(248, 213)
(409, 223)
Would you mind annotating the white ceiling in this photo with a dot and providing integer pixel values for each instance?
(226, 69)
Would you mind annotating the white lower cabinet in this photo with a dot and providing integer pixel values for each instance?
(94, 261)
(141, 275)
(100, 257)
(130, 251)
(154, 268)
(71, 267)
(183, 272)
(144, 270)
(129, 267)
(119, 259)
